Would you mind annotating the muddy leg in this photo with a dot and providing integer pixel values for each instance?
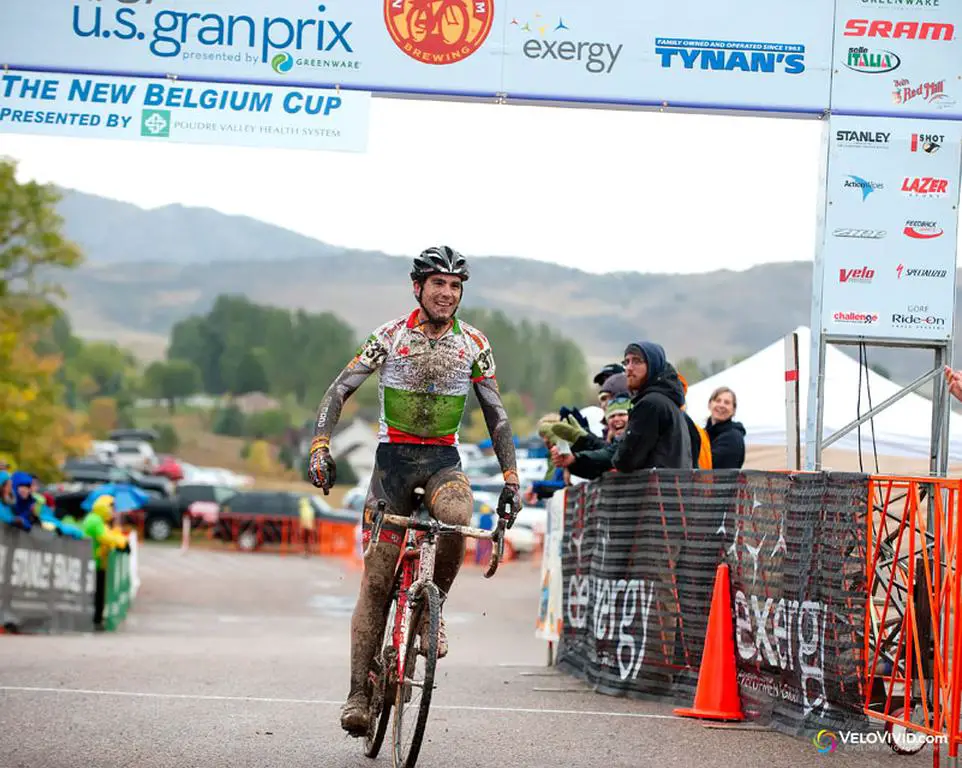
(450, 501)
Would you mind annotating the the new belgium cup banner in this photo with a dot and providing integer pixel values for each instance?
(183, 111)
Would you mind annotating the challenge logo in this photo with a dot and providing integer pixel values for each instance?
(932, 92)
(930, 143)
(731, 55)
(923, 230)
(862, 234)
(925, 186)
(596, 56)
(863, 139)
(440, 33)
(899, 30)
(865, 318)
(870, 62)
(867, 187)
(861, 275)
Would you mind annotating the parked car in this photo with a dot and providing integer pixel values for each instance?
(136, 455)
(268, 504)
(169, 467)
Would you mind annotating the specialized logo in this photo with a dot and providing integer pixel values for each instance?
(597, 57)
(861, 234)
(901, 270)
(865, 318)
(282, 63)
(932, 92)
(867, 187)
(731, 55)
(923, 230)
(155, 123)
(925, 186)
(871, 62)
(899, 30)
(930, 143)
(444, 32)
(863, 139)
(825, 741)
(860, 275)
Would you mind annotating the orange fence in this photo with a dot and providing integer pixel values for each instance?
(912, 634)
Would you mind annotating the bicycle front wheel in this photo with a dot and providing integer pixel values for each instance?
(414, 689)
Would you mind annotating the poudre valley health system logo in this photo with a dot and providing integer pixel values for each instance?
(155, 123)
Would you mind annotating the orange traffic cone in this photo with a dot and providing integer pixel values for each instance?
(716, 697)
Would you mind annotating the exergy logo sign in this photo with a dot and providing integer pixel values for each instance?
(242, 38)
(731, 55)
(556, 42)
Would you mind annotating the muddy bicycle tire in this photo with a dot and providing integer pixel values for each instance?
(429, 610)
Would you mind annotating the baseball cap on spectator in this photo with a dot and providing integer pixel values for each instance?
(608, 371)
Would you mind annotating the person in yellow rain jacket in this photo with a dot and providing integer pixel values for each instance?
(103, 539)
(306, 510)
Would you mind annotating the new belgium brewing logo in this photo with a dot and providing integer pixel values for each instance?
(439, 31)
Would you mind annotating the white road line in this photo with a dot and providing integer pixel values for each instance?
(326, 702)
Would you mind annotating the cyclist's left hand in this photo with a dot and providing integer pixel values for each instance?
(509, 502)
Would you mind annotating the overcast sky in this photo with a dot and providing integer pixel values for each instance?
(600, 190)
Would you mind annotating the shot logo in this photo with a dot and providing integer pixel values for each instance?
(155, 123)
(439, 31)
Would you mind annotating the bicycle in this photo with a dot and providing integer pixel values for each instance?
(413, 600)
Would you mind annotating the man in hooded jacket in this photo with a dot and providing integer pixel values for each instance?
(657, 435)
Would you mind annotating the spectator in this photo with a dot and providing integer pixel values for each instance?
(6, 498)
(607, 372)
(555, 477)
(103, 539)
(727, 437)
(657, 435)
(23, 501)
(590, 457)
(954, 380)
(700, 442)
(306, 510)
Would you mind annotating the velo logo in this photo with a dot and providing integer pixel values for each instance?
(439, 33)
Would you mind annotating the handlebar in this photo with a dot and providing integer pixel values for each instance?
(434, 526)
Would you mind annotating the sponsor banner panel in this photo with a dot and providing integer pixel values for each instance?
(891, 228)
(191, 112)
(898, 57)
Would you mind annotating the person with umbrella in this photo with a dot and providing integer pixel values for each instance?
(103, 539)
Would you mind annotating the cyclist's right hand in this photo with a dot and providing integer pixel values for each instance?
(322, 470)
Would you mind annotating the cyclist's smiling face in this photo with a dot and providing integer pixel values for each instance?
(440, 297)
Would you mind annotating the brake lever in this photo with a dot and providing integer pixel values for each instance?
(497, 547)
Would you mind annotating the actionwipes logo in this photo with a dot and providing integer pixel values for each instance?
(825, 741)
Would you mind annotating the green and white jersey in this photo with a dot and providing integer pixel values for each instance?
(424, 383)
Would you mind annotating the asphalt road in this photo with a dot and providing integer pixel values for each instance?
(242, 660)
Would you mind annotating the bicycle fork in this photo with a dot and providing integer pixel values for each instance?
(408, 600)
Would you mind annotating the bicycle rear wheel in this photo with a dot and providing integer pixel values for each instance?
(381, 680)
(413, 698)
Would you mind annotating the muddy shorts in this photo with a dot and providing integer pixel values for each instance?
(399, 468)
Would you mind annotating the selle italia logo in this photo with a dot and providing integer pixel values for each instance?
(155, 123)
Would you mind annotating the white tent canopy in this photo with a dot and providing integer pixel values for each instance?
(901, 430)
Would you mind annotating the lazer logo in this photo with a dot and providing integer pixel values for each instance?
(898, 30)
(925, 186)
(869, 62)
(923, 230)
(861, 275)
(862, 234)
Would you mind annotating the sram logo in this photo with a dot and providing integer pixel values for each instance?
(861, 275)
(908, 30)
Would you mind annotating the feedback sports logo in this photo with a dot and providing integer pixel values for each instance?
(444, 32)
(275, 41)
(922, 230)
(597, 56)
(731, 55)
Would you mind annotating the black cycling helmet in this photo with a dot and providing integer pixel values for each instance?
(439, 260)
(607, 372)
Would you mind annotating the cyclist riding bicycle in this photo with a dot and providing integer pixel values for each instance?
(427, 362)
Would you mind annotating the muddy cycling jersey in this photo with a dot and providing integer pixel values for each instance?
(424, 383)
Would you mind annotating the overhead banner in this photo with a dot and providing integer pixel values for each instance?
(163, 110)
(888, 257)
(898, 59)
(688, 53)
